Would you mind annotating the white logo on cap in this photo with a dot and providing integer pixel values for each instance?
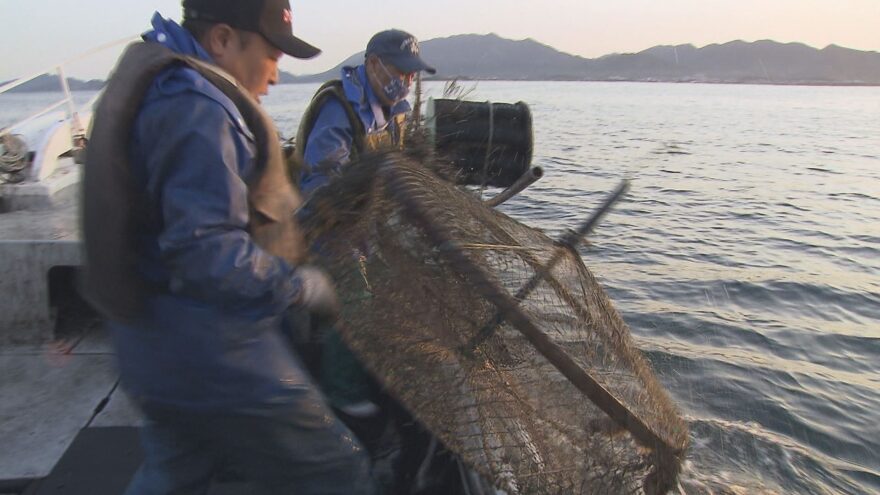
(287, 15)
(410, 44)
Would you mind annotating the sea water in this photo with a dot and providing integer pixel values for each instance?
(746, 257)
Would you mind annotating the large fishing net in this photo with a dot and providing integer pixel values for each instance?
(530, 377)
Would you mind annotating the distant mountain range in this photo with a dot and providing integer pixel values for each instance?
(50, 83)
(490, 57)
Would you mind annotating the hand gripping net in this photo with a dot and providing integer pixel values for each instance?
(547, 395)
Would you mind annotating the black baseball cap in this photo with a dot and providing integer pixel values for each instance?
(400, 49)
(271, 18)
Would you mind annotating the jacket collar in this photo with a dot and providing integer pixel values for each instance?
(173, 36)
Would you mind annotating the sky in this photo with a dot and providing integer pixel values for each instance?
(38, 34)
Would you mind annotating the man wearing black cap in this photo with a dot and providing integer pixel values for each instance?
(362, 112)
(205, 259)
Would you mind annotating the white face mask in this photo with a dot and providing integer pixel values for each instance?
(395, 90)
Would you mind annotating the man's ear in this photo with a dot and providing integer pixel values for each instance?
(218, 39)
(371, 61)
(370, 64)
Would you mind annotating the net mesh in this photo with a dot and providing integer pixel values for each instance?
(553, 399)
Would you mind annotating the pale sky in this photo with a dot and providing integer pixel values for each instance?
(37, 34)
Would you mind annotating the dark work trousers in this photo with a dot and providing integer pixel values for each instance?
(300, 449)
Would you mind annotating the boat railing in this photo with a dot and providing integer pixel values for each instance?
(66, 102)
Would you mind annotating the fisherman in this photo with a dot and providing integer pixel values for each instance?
(194, 257)
(362, 112)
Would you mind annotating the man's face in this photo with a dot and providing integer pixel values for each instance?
(380, 77)
(252, 60)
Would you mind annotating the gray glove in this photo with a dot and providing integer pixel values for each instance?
(316, 293)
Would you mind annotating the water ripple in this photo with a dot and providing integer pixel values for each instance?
(746, 259)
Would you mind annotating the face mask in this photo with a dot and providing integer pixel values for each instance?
(395, 90)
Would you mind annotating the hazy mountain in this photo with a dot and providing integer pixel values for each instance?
(741, 62)
(51, 82)
(472, 56)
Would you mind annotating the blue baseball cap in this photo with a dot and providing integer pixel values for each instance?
(400, 49)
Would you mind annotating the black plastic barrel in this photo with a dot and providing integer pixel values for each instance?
(489, 143)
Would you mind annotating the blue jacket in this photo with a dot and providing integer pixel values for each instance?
(211, 336)
(328, 147)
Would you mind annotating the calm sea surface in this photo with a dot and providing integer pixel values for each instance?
(746, 258)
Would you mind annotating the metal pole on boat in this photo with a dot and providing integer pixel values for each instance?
(76, 129)
(527, 179)
(18, 82)
(569, 241)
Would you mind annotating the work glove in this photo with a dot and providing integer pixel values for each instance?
(316, 292)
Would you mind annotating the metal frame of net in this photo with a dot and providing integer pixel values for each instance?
(528, 374)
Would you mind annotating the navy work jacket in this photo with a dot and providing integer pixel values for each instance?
(210, 338)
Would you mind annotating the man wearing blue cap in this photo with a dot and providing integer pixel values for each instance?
(194, 258)
(362, 112)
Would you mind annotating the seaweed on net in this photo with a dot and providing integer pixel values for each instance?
(555, 399)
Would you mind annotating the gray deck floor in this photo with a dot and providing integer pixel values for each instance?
(50, 392)
(55, 224)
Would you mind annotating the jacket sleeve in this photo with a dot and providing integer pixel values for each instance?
(328, 147)
(195, 156)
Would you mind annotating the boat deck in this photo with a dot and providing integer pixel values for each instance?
(44, 210)
(57, 224)
(53, 391)
(65, 424)
(39, 237)
(57, 371)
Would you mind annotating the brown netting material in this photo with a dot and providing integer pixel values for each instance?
(422, 267)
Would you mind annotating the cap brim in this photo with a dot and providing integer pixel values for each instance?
(411, 63)
(294, 46)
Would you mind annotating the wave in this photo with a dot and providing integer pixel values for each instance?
(743, 458)
(825, 170)
(776, 425)
(853, 196)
